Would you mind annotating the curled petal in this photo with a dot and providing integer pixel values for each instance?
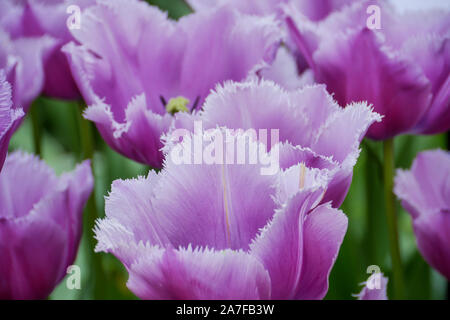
(138, 137)
(9, 117)
(198, 274)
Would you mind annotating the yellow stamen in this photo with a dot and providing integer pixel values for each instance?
(178, 104)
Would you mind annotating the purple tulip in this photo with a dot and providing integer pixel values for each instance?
(314, 128)
(290, 68)
(402, 68)
(374, 288)
(9, 117)
(133, 62)
(425, 194)
(22, 61)
(40, 224)
(217, 231)
(38, 19)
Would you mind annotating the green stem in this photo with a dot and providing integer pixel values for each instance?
(372, 214)
(388, 172)
(36, 124)
(96, 275)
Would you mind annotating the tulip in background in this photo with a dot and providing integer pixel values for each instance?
(401, 68)
(425, 194)
(40, 224)
(34, 23)
(22, 61)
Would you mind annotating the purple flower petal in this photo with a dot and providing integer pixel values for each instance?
(425, 194)
(308, 118)
(390, 68)
(38, 19)
(298, 247)
(9, 117)
(198, 274)
(40, 224)
(23, 59)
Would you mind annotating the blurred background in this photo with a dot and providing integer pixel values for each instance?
(366, 242)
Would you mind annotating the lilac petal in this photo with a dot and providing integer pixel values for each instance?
(198, 274)
(397, 88)
(284, 71)
(336, 177)
(18, 199)
(308, 118)
(432, 233)
(299, 177)
(9, 117)
(256, 105)
(324, 230)
(36, 18)
(400, 86)
(425, 188)
(229, 218)
(250, 40)
(342, 133)
(280, 246)
(137, 138)
(371, 291)
(170, 61)
(425, 194)
(28, 56)
(40, 224)
(432, 53)
(32, 258)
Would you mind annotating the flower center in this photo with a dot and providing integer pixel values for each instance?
(178, 104)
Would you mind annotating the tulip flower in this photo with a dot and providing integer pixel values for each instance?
(40, 224)
(135, 67)
(290, 68)
(216, 231)
(312, 126)
(398, 65)
(425, 193)
(23, 63)
(374, 288)
(37, 20)
(9, 117)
